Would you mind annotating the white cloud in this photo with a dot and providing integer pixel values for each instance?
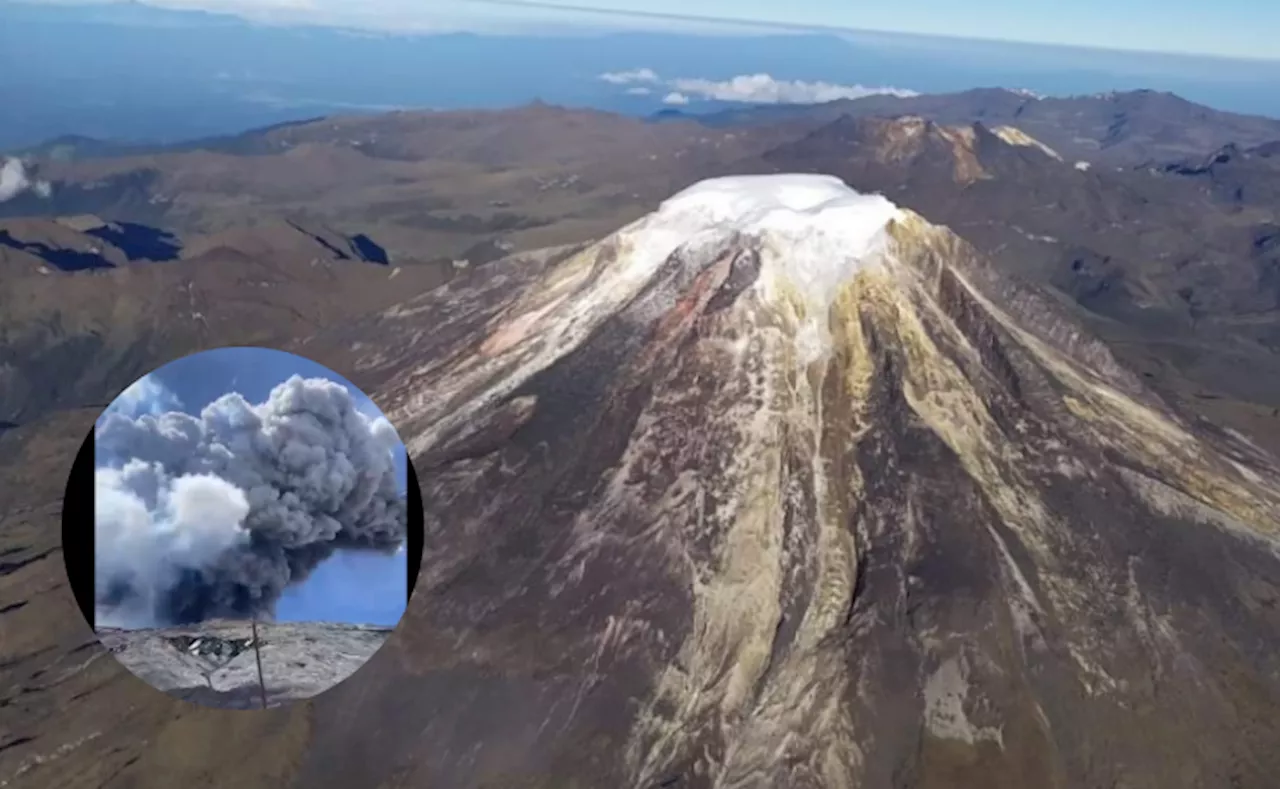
(145, 396)
(14, 180)
(629, 77)
(764, 89)
(746, 88)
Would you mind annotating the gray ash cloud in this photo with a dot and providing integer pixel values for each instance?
(214, 516)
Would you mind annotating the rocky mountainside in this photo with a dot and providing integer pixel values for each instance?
(781, 485)
(1170, 260)
(215, 663)
(1177, 276)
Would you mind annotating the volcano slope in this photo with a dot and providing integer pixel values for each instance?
(779, 486)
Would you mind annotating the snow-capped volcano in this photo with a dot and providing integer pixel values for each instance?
(783, 486)
(817, 229)
(811, 233)
(814, 231)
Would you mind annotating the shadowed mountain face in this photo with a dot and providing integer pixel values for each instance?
(61, 258)
(77, 243)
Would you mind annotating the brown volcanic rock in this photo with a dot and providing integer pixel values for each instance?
(964, 549)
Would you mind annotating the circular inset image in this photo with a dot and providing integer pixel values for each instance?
(243, 528)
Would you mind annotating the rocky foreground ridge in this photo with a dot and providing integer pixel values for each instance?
(214, 663)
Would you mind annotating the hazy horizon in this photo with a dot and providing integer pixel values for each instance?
(129, 71)
(1179, 28)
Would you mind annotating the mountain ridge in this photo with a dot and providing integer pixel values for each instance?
(1164, 109)
(1118, 127)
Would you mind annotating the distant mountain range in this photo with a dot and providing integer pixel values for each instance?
(1123, 128)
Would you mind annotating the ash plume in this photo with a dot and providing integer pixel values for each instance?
(214, 516)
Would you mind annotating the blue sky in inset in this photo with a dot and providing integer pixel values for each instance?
(351, 586)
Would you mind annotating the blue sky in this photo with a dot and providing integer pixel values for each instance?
(1227, 27)
(1231, 28)
(362, 587)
